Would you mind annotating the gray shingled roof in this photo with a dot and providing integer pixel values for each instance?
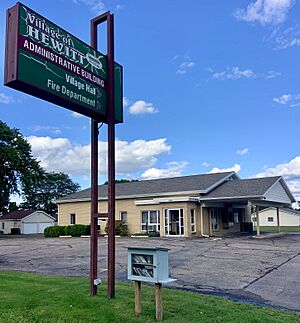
(290, 210)
(194, 183)
(245, 187)
(16, 215)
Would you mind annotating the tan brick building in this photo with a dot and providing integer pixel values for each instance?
(197, 205)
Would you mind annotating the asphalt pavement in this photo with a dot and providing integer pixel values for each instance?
(264, 272)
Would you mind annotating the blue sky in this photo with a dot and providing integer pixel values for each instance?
(209, 86)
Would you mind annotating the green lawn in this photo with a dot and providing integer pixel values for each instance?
(275, 229)
(35, 298)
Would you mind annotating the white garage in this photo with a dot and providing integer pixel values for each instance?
(25, 222)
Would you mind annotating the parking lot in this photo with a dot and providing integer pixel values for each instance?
(265, 271)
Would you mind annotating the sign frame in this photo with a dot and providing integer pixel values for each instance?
(11, 71)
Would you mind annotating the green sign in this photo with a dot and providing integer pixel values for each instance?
(48, 62)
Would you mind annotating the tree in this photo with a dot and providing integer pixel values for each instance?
(18, 169)
(21, 174)
(50, 187)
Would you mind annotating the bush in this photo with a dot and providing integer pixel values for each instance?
(121, 228)
(54, 232)
(154, 234)
(77, 230)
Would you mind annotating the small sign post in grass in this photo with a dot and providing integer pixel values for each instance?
(149, 265)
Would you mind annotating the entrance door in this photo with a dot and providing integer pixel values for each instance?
(214, 219)
(174, 222)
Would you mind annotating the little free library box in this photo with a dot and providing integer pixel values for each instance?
(149, 265)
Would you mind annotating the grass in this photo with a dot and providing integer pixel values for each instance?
(35, 298)
(282, 229)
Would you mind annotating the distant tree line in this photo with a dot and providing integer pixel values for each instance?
(21, 174)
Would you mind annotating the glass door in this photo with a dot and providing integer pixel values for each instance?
(174, 225)
(214, 219)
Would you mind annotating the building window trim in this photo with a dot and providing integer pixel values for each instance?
(147, 223)
(124, 216)
(72, 218)
(193, 220)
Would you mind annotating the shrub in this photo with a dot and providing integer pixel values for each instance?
(154, 234)
(54, 232)
(121, 228)
(76, 230)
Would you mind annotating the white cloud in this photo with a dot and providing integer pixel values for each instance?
(292, 100)
(61, 155)
(272, 74)
(284, 99)
(235, 168)
(205, 164)
(126, 102)
(265, 11)
(295, 188)
(185, 65)
(234, 73)
(290, 170)
(289, 37)
(54, 130)
(77, 115)
(94, 5)
(5, 99)
(174, 169)
(142, 107)
(119, 7)
(242, 151)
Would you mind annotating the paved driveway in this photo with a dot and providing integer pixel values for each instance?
(259, 271)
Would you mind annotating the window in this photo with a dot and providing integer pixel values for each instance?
(150, 221)
(270, 219)
(123, 216)
(2, 225)
(193, 220)
(72, 218)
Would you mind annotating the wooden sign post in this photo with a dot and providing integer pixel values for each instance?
(158, 301)
(138, 298)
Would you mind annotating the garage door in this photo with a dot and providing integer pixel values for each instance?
(30, 228)
(44, 225)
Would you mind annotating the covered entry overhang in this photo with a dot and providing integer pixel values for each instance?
(229, 206)
(228, 216)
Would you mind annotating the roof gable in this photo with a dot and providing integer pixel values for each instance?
(17, 215)
(282, 209)
(244, 188)
(279, 192)
(267, 188)
(22, 214)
